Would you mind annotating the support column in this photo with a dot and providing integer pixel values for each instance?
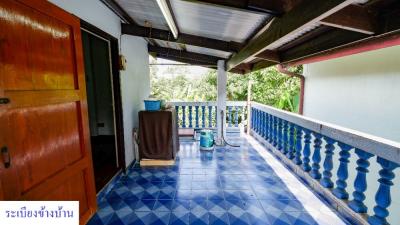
(221, 101)
(249, 125)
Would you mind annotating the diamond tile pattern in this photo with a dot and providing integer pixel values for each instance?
(226, 186)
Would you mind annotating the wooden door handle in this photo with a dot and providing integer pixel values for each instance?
(6, 157)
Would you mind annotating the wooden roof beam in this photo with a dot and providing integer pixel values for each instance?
(245, 67)
(353, 17)
(180, 54)
(117, 9)
(165, 35)
(185, 60)
(269, 55)
(306, 13)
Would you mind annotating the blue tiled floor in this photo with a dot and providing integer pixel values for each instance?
(227, 186)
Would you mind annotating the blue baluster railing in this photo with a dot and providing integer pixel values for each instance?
(190, 116)
(271, 129)
(280, 141)
(264, 122)
(199, 115)
(360, 183)
(383, 197)
(298, 147)
(307, 150)
(203, 116)
(215, 114)
(316, 158)
(237, 110)
(342, 173)
(257, 121)
(251, 125)
(177, 114)
(183, 116)
(328, 163)
(291, 147)
(229, 116)
(285, 131)
(275, 131)
(266, 130)
(210, 116)
(196, 109)
(298, 140)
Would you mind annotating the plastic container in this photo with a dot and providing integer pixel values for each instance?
(206, 140)
(152, 105)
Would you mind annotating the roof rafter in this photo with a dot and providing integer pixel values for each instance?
(305, 13)
(188, 39)
(269, 55)
(117, 9)
(354, 18)
(184, 55)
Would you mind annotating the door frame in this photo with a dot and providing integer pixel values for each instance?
(116, 86)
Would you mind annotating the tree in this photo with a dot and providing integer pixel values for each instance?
(269, 87)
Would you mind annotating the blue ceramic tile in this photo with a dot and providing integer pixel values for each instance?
(198, 218)
(163, 205)
(229, 186)
(179, 218)
(218, 218)
(181, 205)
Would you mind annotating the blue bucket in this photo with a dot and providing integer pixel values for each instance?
(152, 105)
(206, 140)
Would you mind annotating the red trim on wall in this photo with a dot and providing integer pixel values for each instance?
(351, 49)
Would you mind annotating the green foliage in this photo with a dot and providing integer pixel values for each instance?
(268, 87)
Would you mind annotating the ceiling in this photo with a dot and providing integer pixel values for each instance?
(254, 34)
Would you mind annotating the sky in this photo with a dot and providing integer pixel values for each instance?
(193, 71)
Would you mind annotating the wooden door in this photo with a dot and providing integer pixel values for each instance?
(44, 127)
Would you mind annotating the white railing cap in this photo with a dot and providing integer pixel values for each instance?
(211, 103)
(378, 146)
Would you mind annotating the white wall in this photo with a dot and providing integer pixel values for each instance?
(361, 92)
(135, 81)
(135, 85)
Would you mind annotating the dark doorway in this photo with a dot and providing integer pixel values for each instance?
(103, 99)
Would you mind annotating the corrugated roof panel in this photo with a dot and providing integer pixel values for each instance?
(216, 22)
(208, 51)
(291, 37)
(144, 10)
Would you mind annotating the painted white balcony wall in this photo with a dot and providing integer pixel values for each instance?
(360, 91)
(135, 81)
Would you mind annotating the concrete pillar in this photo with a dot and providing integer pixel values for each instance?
(221, 101)
(248, 107)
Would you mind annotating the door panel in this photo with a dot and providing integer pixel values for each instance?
(43, 149)
(51, 38)
(45, 125)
